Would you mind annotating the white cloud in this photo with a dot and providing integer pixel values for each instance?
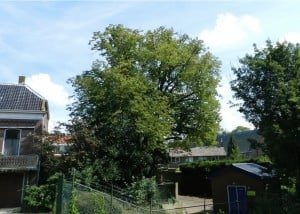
(293, 37)
(55, 94)
(231, 117)
(230, 30)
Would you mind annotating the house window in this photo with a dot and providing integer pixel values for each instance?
(12, 142)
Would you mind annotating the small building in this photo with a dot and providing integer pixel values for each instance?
(23, 113)
(235, 187)
(196, 153)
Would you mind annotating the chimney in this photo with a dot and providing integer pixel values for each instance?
(22, 80)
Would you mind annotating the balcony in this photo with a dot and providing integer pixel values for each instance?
(19, 163)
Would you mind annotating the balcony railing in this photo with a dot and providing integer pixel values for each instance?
(19, 163)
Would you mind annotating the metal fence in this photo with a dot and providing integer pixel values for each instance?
(113, 200)
(110, 199)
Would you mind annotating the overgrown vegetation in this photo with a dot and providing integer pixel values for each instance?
(268, 84)
(73, 203)
(209, 165)
(144, 190)
(40, 198)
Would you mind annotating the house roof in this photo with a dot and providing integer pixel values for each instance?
(252, 168)
(21, 98)
(241, 139)
(205, 151)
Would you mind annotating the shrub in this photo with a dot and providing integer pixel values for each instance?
(144, 190)
(40, 198)
(37, 199)
(96, 203)
(73, 203)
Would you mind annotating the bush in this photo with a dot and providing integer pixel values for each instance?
(215, 164)
(40, 198)
(96, 203)
(143, 190)
(37, 199)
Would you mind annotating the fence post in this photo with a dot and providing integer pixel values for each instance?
(59, 193)
(73, 178)
(151, 206)
(111, 198)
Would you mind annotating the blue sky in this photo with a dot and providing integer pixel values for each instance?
(48, 41)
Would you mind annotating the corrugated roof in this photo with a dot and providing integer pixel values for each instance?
(252, 168)
(205, 151)
(19, 97)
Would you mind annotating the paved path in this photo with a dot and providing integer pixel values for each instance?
(196, 204)
(9, 210)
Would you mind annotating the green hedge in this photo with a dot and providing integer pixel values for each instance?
(265, 161)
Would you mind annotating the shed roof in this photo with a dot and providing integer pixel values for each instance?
(20, 97)
(252, 168)
(205, 151)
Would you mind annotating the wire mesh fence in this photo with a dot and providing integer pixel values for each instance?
(112, 200)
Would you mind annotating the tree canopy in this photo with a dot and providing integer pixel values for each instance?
(146, 89)
(268, 83)
(233, 151)
(240, 129)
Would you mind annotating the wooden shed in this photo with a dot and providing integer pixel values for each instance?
(235, 187)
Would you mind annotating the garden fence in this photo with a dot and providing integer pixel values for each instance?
(111, 200)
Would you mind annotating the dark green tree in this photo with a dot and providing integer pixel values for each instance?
(146, 89)
(233, 151)
(268, 83)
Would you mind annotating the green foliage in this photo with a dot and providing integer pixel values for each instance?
(268, 83)
(240, 129)
(147, 88)
(37, 199)
(40, 198)
(233, 151)
(49, 164)
(99, 203)
(86, 176)
(209, 165)
(144, 190)
(73, 203)
(275, 203)
(96, 203)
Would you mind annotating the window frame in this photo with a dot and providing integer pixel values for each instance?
(4, 137)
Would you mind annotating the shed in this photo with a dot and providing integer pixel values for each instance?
(234, 187)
